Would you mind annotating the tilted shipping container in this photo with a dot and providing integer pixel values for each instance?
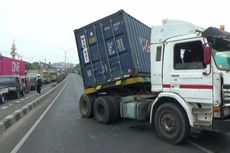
(113, 48)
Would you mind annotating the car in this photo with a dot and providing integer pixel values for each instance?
(14, 84)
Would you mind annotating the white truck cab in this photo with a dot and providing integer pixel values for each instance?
(190, 67)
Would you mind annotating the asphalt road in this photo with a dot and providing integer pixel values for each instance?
(62, 130)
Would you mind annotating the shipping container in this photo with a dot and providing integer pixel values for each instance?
(113, 48)
(10, 66)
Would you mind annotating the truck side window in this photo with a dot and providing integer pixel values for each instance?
(188, 55)
(158, 55)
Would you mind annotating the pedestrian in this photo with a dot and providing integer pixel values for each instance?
(39, 83)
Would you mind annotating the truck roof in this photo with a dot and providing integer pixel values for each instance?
(172, 28)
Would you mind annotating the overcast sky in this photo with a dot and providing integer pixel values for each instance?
(41, 27)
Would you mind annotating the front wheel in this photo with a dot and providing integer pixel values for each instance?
(171, 123)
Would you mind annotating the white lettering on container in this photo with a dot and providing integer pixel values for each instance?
(15, 66)
(144, 44)
(110, 48)
(84, 49)
(120, 45)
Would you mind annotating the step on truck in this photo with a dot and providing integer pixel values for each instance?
(175, 76)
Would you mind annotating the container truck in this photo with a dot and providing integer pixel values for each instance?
(166, 75)
(10, 66)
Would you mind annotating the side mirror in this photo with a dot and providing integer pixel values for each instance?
(207, 54)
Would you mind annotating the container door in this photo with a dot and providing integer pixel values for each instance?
(94, 50)
(117, 46)
(88, 49)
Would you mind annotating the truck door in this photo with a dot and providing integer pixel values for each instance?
(186, 71)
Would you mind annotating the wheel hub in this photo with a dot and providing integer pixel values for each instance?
(168, 123)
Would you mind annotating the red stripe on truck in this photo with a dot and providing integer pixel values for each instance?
(186, 86)
(196, 86)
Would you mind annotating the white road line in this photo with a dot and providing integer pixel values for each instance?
(199, 147)
(4, 107)
(17, 101)
(22, 99)
(26, 97)
(10, 104)
(22, 141)
(30, 95)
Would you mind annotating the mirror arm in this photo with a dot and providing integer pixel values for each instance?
(208, 73)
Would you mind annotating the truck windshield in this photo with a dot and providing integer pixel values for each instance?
(220, 42)
(221, 52)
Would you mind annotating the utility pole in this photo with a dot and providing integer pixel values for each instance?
(13, 49)
(65, 51)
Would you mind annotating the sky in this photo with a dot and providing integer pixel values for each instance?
(43, 29)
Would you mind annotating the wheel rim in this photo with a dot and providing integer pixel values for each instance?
(84, 107)
(168, 123)
(101, 109)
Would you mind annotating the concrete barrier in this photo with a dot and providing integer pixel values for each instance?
(9, 120)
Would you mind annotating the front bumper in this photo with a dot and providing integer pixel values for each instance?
(221, 125)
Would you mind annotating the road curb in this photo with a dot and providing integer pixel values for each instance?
(11, 119)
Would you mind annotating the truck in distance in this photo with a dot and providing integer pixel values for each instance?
(171, 76)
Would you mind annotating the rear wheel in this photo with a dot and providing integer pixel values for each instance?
(86, 104)
(171, 123)
(116, 100)
(103, 110)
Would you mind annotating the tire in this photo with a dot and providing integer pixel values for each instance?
(86, 105)
(116, 100)
(2, 99)
(103, 110)
(171, 123)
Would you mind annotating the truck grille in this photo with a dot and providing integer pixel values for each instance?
(226, 96)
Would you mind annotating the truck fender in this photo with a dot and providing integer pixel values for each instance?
(179, 100)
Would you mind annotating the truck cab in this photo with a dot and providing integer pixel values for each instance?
(190, 70)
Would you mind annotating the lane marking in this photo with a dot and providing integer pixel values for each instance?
(17, 101)
(4, 107)
(10, 104)
(22, 99)
(199, 147)
(26, 97)
(26, 136)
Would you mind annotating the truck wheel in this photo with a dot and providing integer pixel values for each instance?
(116, 100)
(2, 99)
(103, 110)
(86, 104)
(171, 123)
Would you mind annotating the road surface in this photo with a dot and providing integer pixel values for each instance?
(60, 129)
